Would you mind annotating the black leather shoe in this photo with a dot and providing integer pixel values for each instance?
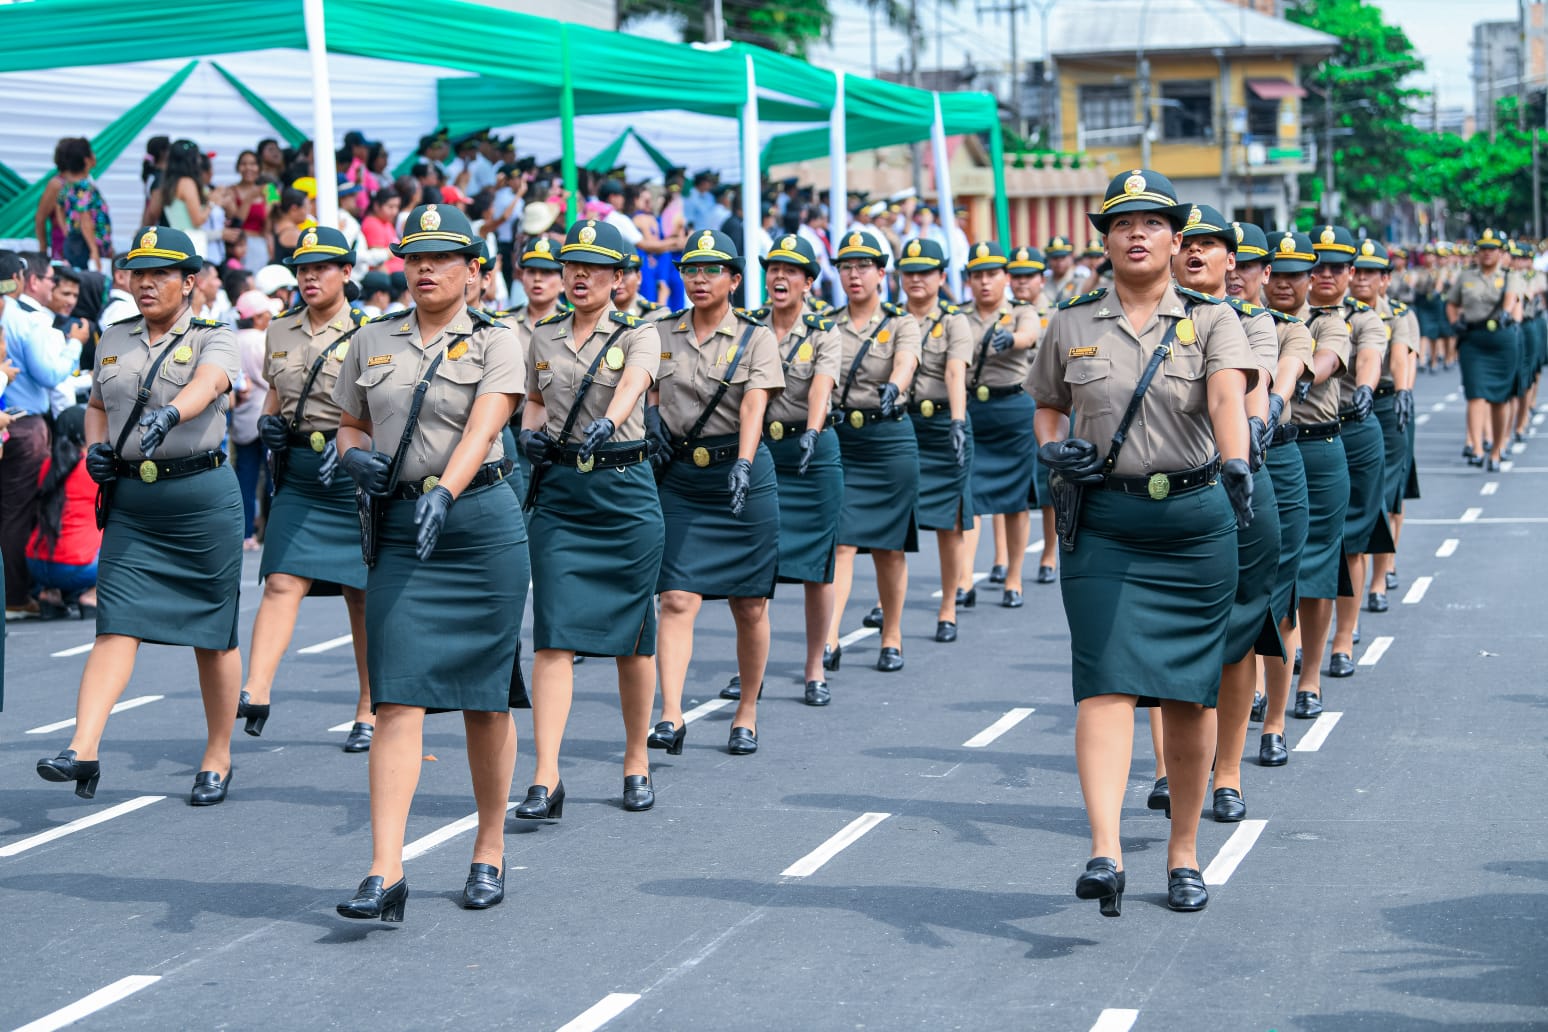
(256, 716)
(890, 660)
(1185, 889)
(1341, 665)
(65, 767)
(967, 599)
(1011, 600)
(540, 806)
(831, 657)
(1228, 806)
(638, 795)
(359, 739)
(1102, 881)
(1492, 466)
(742, 742)
(817, 693)
(667, 736)
(1355, 638)
(733, 689)
(997, 574)
(209, 788)
(1297, 661)
(1392, 580)
(1376, 602)
(1272, 751)
(485, 886)
(1046, 575)
(873, 618)
(1160, 797)
(1259, 708)
(1307, 705)
(1475, 460)
(372, 902)
(945, 630)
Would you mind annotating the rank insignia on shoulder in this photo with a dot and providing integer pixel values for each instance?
(1084, 299)
(817, 322)
(893, 309)
(625, 319)
(1357, 305)
(1020, 304)
(205, 322)
(1284, 317)
(376, 360)
(949, 308)
(293, 310)
(760, 314)
(481, 317)
(1199, 295)
(1399, 308)
(556, 317)
(650, 306)
(679, 313)
(358, 316)
(1244, 307)
(748, 317)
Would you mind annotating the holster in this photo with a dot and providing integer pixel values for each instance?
(279, 465)
(104, 503)
(370, 510)
(1067, 497)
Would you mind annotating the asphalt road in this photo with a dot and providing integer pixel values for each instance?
(1393, 876)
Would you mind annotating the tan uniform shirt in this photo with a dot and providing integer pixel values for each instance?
(806, 351)
(292, 349)
(1262, 338)
(691, 372)
(124, 355)
(1092, 359)
(902, 333)
(1000, 368)
(945, 335)
(557, 366)
(1329, 332)
(1367, 333)
(1478, 295)
(1065, 287)
(1401, 338)
(386, 360)
(1296, 340)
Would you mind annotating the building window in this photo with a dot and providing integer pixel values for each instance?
(1263, 118)
(1106, 107)
(1188, 110)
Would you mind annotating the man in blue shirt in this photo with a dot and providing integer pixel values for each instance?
(44, 358)
(699, 205)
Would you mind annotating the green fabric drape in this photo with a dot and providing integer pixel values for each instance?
(99, 32)
(607, 158)
(293, 136)
(879, 118)
(16, 217)
(11, 182)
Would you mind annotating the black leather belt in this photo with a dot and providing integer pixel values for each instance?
(858, 418)
(1385, 391)
(1486, 325)
(929, 408)
(151, 470)
(489, 473)
(1284, 433)
(778, 429)
(1332, 428)
(317, 440)
(1347, 415)
(1163, 485)
(983, 392)
(608, 456)
(709, 451)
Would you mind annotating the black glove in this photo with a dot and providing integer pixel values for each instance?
(657, 443)
(598, 432)
(1257, 442)
(328, 467)
(101, 463)
(808, 446)
(1361, 402)
(368, 469)
(1076, 459)
(1459, 328)
(538, 447)
(889, 399)
(154, 427)
(1403, 405)
(739, 481)
(430, 517)
(1002, 339)
(1276, 410)
(1237, 479)
(1303, 389)
(959, 441)
(274, 432)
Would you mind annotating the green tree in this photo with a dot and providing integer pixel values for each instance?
(787, 26)
(1485, 182)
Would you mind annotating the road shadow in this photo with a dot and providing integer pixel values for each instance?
(1386, 1021)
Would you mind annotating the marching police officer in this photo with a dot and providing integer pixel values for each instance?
(1481, 306)
(1064, 283)
(1026, 268)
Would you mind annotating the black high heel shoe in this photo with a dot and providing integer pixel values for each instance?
(1160, 797)
(256, 716)
(1102, 882)
(997, 574)
(817, 693)
(372, 902)
(485, 886)
(65, 767)
(831, 657)
(873, 618)
(638, 795)
(359, 739)
(1185, 890)
(209, 788)
(967, 599)
(733, 689)
(743, 742)
(1259, 708)
(667, 736)
(540, 806)
(890, 661)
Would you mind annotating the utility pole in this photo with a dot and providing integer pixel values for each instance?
(714, 22)
(913, 80)
(1327, 154)
(1522, 70)
(1142, 69)
(1013, 8)
(1049, 105)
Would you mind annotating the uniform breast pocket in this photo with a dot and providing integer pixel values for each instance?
(116, 387)
(1185, 385)
(455, 386)
(1090, 384)
(175, 373)
(667, 369)
(545, 381)
(384, 395)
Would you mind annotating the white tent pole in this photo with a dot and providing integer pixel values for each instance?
(323, 162)
(752, 192)
(945, 215)
(838, 158)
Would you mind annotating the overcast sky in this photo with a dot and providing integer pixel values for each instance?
(1442, 32)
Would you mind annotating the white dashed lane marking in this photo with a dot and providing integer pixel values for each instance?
(1233, 852)
(324, 646)
(1312, 740)
(1448, 548)
(1489, 488)
(74, 651)
(88, 1005)
(998, 728)
(1115, 1019)
(811, 862)
(1376, 650)
(127, 704)
(600, 1013)
(102, 816)
(1416, 591)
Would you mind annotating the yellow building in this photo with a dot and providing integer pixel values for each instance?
(1203, 91)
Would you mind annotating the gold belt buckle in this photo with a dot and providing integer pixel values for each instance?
(1160, 486)
(777, 430)
(982, 394)
(428, 484)
(318, 441)
(1493, 325)
(856, 419)
(587, 464)
(148, 471)
(927, 408)
(701, 457)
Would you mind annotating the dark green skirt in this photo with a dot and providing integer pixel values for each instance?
(599, 540)
(1411, 484)
(709, 551)
(170, 570)
(313, 531)
(945, 498)
(1526, 346)
(521, 470)
(1004, 445)
(1394, 446)
(1252, 626)
(1365, 521)
(1289, 474)
(1537, 335)
(442, 634)
(881, 486)
(808, 507)
(1489, 364)
(1147, 593)
(1327, 500)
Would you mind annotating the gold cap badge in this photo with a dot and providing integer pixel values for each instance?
(1135, 183)
(788, 244)
(148, 240)
(1367, 248)
(914, 249)
(430, 221)
(982, 251)
(310, 239)
(1287, 243)
(588, 233)
(1195, 216)
(856, 240)
(1328, 236)
(706, 241)
(542, 245)
(1238, 227)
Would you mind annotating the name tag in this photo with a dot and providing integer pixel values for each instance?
(376, 360)
(1085, 352)
(110, 360)
(540, 366)
(278, 354)
(666, 356)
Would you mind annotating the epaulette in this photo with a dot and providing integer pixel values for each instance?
(759, 314)
(556, 317)
(1199, 295)
(1019, 304)
(1083, 299)
(748, 317)
(1244, 307)
(1357, 305)
(679, 313)
(481, 316)
(651, 306)
(817, 304)
(1399, 308)
(358, 316)
(1284, 317)
(893, 309)
(817, 321)
(205, 322)
(626, 319)
(293, 310)
(949, 308)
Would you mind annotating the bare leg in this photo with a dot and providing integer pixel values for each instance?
(1050, 555)
(1276, 680)
(220, 681)
(553, 685)
(1477, 416)
(272, 628)
(892, 582)
(1018, 530)
(354, 602)
(949, 544)
(1002, 549)
(1104, 745)
(1499, 426)
(819, 614)
(1237, 684)
(1157, 740)
(491, 761)
(843, 580)
(752, 655)
(107, 673)
(397, 750)
(674, 649)
(1190, 745)
(1316, 614)
(1347, 610)
(636, 695)
(970, 553)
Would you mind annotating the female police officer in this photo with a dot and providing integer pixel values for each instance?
(311, 543)
(1149, 583)
(425, 395)
(1481, 304)
(584, 431)
(719, 368)
(172, 541)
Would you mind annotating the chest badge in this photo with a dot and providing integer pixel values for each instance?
(317, 441)
(376, 360)
(884, 336)
(1186, 334)
(614, 359)
(457, 350)
(804, 353)
(148, 471)
(183, 354)
(938, 331)
(730, 354)
(340, 351)
(1159, 487)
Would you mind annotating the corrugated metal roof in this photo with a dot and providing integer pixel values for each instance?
(1092, 27)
